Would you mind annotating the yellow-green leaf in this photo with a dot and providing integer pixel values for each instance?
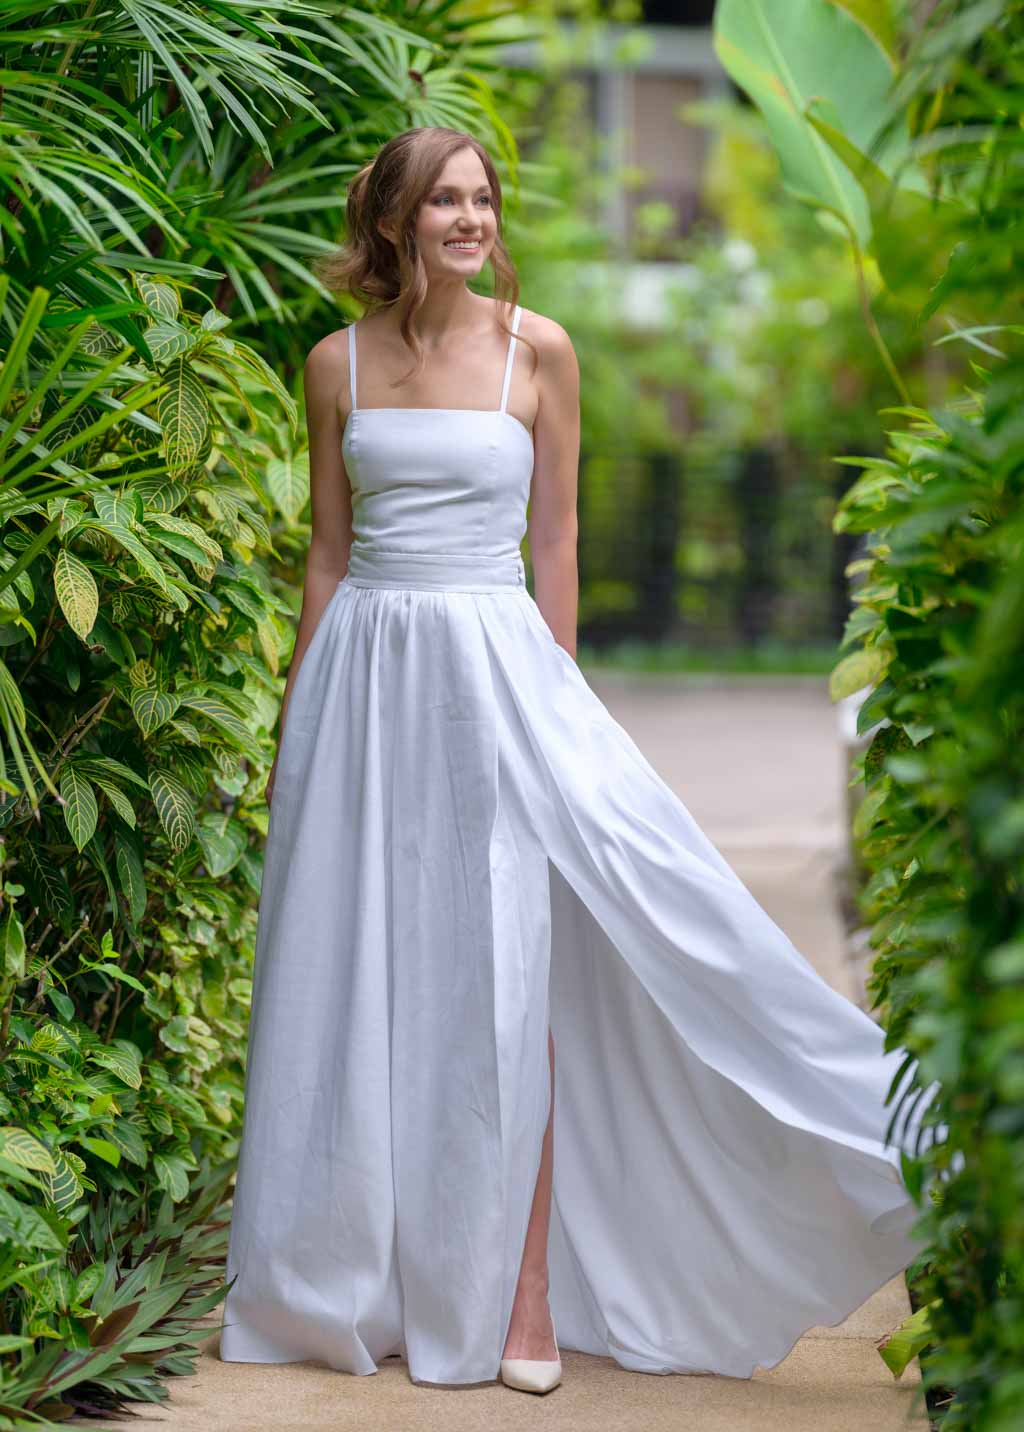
(174, 806)
(25, 1150)
(77, 592)
(183, 412)
(152, 708)
(856, 671)
(80, 809)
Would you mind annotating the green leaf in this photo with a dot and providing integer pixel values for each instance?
(117, 799)
(122, 1059)
(14, 946)
(25, 1226)
(783, 53)
(25, 1149)
(117, 973)
(102, 1148)
(174, 806)
(131, 874)
(168, 340)
(288, 481)
(77, 592)
(160, 298)
(183, 411)
(130, 1140)
(858, 670)
(152, 708)
(912, 1336)
(64, 1187)
(172, 1175)
(80, 809)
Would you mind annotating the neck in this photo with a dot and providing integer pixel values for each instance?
(448, 309)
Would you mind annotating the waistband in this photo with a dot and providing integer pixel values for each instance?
(436, 571)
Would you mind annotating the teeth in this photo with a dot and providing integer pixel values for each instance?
(467, 246)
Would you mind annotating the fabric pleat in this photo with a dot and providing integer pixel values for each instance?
(466, 849)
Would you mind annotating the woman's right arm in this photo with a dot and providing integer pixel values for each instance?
(325, 379)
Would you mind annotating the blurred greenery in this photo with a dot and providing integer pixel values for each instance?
(934, 646)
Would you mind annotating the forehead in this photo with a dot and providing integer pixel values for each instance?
(463, 169)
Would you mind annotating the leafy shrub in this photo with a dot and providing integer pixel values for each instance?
(932, 196)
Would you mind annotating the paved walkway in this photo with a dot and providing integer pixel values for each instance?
(758, 764)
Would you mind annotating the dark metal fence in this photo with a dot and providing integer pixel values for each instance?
(728, 553)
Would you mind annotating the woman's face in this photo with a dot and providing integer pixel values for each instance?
(459, 206)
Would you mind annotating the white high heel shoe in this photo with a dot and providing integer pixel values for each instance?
(531, 1374)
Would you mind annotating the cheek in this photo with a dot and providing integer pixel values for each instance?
(431, 224)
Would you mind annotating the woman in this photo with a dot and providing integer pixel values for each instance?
(474, 879)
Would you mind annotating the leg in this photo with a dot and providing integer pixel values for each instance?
(530, 1332)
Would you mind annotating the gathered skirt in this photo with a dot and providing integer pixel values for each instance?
(465, 849)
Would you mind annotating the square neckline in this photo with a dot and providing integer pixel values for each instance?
(500, 411)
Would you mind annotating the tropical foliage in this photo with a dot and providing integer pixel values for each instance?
(936, 639)
(165, 176)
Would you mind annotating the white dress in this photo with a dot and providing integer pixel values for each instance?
(465, 847)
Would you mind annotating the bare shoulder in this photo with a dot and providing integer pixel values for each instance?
(556, 371)
(326, 367)
(551, 339)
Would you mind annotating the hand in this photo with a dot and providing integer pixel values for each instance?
(269, 793)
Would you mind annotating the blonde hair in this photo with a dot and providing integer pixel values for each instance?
(391, 187)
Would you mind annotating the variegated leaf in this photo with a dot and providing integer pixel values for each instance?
(129, 1139)
(106, 765)
(80, 810)
(77, 592)
(63, 1186)
(181, 525)
(115, 511)
(122, 1059)
(266, 633)
(288, 481)
(168, 340)
(243, 599)
(223, 717)
(146, 561)
(183, 411)
(172, 1175)
(160, 494)
(159, 298)
(152, 708)
(175, 807)
(24, 1149)
(117, 799)
(142, 675)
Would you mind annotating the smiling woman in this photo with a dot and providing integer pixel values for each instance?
(485, 917)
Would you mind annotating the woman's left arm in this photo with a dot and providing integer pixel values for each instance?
(552, 525)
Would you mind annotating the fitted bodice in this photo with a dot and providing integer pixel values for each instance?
(438, 479)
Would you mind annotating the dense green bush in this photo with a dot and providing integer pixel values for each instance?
(164, 178)
(936, 637)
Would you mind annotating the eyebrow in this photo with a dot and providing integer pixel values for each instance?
(458, 188)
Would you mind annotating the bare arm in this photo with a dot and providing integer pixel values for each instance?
(325, 377)
(553, 526)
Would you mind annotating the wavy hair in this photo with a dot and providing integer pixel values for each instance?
(391, 188)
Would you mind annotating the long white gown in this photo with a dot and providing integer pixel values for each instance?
(465, 847)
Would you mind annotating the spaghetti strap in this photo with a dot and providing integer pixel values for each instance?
(508, 360)
(352, 363)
